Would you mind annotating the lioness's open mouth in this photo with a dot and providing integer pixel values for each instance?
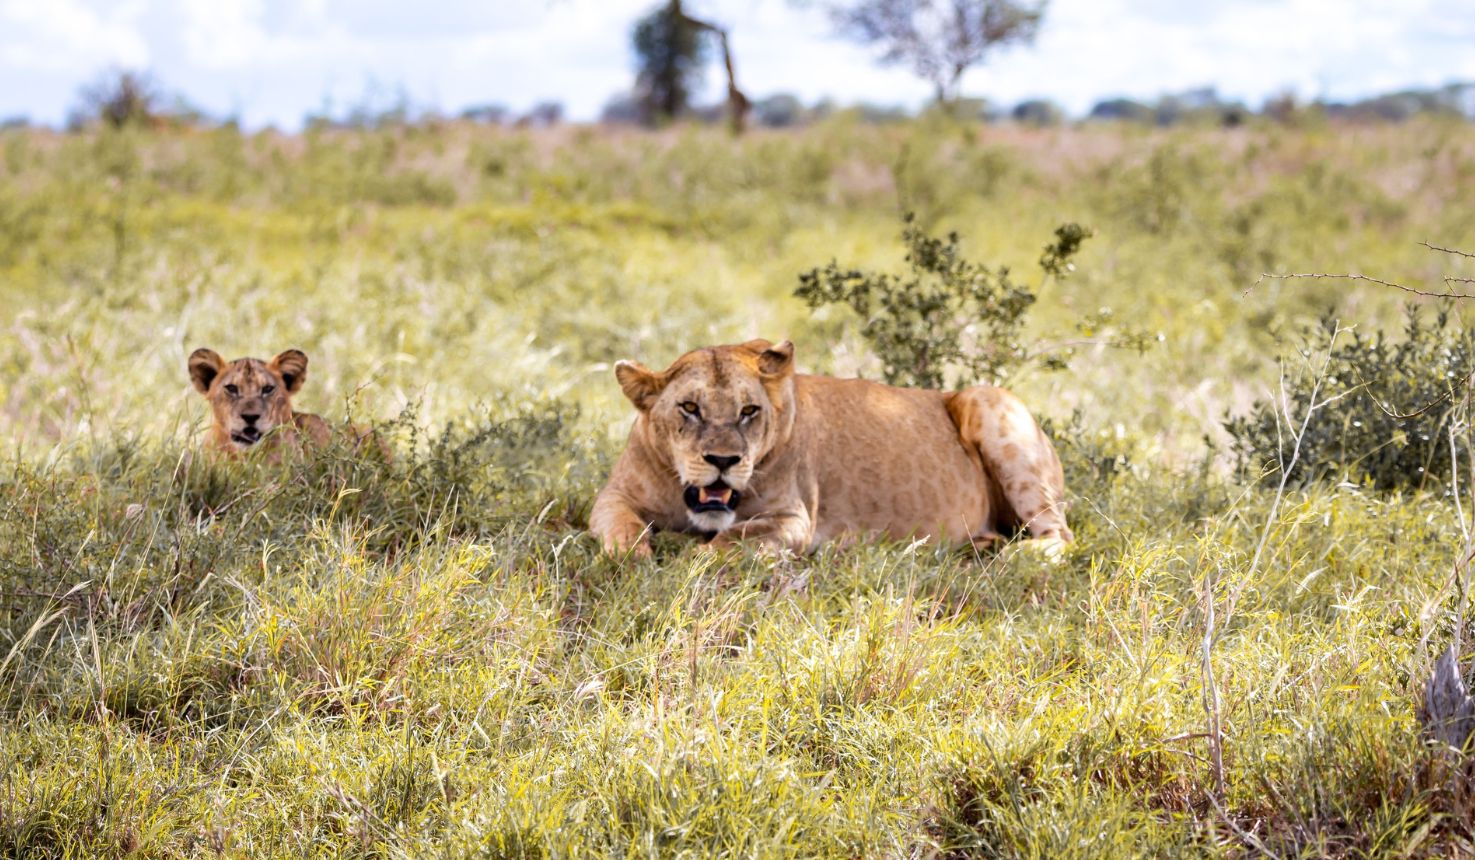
(716, 497)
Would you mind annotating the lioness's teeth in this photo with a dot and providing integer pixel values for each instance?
(704, 495)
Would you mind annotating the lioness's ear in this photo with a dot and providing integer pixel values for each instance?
(641, 384)
(291, 366)
(777, 360)
(204, 366)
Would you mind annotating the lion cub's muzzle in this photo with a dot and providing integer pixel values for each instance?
(246, 436)
(715, 498)
(250, 433)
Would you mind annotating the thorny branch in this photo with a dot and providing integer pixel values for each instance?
(1347, 277)
(1368, 278)
(1453, 251)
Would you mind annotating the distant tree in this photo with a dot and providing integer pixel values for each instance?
(1129, 110)
(621, 109)
(1202, 105)
(939, 39)
(1039, 112)
(1283, 107)
(824, 108)
(543, 115)
(379, 106)
(491, 114)
(1460, 98)
(119, 98)
(779, 111)
(670, 54)
(671, 50)
(1399, 106)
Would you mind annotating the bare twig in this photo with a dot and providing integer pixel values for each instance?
(1286, 468)
(1211, 691)
(1457, 253)
(1462, 567)
(1352, 277)
(1454, 477)
(1212, 624)
(1404, 416)
(1184, 736)
(1397, 286)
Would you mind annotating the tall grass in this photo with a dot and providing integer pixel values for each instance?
(426, 655)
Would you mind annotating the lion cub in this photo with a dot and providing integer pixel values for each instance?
(731, 443)
(250, 401)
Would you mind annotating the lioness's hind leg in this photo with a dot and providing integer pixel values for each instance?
(1017, 455)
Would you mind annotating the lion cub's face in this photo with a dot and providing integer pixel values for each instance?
(717, 413)
(248, 397)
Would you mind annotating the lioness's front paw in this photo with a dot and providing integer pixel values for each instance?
(768, 550)
(638, 551)
(1049, 549)
(721, 544)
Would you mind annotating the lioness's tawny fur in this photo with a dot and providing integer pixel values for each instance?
(730, 442)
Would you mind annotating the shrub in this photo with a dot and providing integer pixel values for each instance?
(1388, 406)
(950, 321)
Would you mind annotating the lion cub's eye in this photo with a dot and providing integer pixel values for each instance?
(267, 389)
(690, 408)
(749, 411)
(232, 390)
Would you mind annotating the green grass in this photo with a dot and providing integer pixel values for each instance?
(342, 656)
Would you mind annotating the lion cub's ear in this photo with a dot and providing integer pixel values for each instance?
(641, 384)
(777, 360)
(204, 366)
(291, 366)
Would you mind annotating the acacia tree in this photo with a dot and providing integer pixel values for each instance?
(120, 98)
(671, 49)
(939, 39)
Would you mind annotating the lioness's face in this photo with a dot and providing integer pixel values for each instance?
(248, 397)
(717, 412)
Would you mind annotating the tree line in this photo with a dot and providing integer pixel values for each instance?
(675, 46)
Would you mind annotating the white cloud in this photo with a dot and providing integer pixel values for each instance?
(222, 34)
(60, 35)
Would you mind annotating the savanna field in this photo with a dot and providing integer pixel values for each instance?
(428, 656)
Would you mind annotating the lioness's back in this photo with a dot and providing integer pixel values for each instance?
(890, 459)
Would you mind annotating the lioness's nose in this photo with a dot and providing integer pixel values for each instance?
(722, 463)
(249, 419)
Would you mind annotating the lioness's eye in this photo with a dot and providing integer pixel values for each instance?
(232, 390)
(690, 408)
(749, 411)
(267, 389)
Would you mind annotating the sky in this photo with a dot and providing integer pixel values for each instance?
(270, 62)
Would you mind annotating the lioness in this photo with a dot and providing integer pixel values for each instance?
(250, 398)
(730, 442)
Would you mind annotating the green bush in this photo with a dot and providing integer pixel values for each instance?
(1388, 407)
(950, 321)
